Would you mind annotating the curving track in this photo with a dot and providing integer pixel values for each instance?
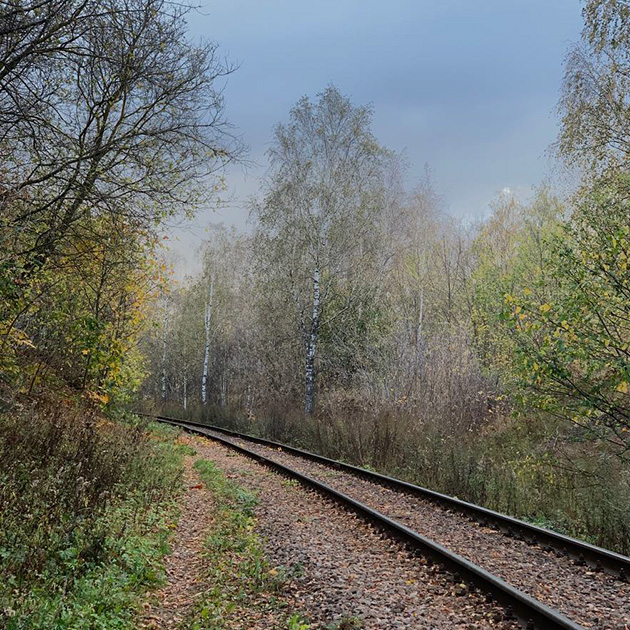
(542, 578)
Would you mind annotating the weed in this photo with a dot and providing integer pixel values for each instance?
(295, 622)
(290, 483)
(185, 450)
(86, 509)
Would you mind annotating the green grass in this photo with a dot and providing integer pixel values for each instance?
(185, 449)
(236, 566)
(87, 508)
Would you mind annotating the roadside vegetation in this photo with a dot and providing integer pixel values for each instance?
(89, 505)
(526, 468)
(87, 508)
(111, 121)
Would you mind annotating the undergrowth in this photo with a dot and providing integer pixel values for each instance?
(86, 509)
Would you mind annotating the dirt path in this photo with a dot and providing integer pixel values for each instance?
(169, 605)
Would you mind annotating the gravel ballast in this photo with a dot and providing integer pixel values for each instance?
(339, 572)
(590, 598)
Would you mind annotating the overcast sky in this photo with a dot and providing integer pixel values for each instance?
(468, 86)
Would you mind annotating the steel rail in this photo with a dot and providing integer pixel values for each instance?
(580, 551)
(529, 612)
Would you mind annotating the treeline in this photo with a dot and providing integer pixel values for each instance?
(352, 294)
(111, 120)
(488, 360)
(380, 302)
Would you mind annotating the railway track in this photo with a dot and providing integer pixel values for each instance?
(586, 584)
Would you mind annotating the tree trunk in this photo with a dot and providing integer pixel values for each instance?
(419, 327)
(309, 398)
(206, 356)
(223, 389)
(164, 346)
(417, 355)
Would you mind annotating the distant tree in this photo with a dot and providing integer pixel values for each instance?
(209, 333)
(428, 278)
(319, 221)
(214, 298)
(512, 252)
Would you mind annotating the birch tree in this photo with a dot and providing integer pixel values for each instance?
(208, 332)
(164, 349)
(318, 221)
(215, 296)
(594, 106)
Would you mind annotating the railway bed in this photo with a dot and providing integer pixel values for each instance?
(544, 579)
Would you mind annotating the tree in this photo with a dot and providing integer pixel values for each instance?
(105, 107)
(319, 220)
(215, 286)
(111, 119)
(570, 320)
(210, 333)
(85, 321)
(595, 107)
(571, 324)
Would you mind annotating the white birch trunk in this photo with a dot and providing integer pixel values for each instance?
(309, 398)
(185, 399)
(418, 341)
(206, 356)
(164, 347)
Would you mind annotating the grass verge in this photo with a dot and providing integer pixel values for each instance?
(244, 587)
(87, 506)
